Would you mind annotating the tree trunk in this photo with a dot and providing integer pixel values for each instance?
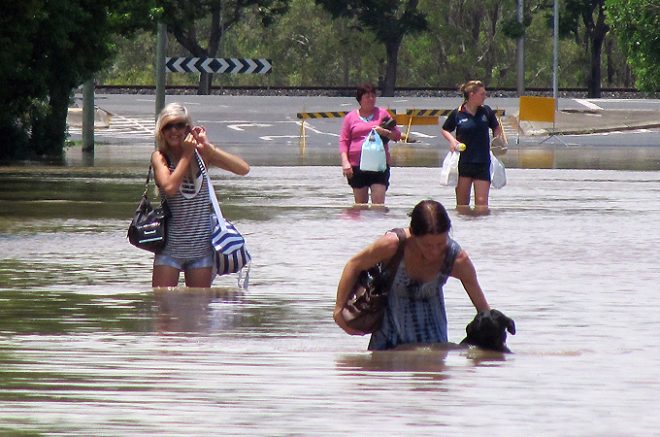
(204, 87)
(610, 62)
(49, 126)
(597, 32)
(392, 48)
(595, 71)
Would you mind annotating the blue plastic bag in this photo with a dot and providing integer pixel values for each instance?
(373, 156)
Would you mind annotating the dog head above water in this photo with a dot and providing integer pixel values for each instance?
(488, 331)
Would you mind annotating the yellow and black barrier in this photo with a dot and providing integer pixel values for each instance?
(418, 117)
(329, 114)
(440, 112)
(318, 115)
(314, 115)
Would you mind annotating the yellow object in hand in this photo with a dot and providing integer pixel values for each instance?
(461, 147)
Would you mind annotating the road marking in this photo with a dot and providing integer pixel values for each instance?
(239, 127)
(308, 126)
(422, 135)
(122, 127)
(272, 137)
(588, 104)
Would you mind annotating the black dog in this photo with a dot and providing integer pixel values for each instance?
(488, 331)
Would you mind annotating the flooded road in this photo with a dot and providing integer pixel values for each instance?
(88, 348)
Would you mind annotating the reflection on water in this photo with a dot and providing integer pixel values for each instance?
(88, 348)
(195, 310)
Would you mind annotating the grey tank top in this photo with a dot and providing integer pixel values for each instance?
(189, 227)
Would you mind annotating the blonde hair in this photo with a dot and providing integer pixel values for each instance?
(173, 112)
(470, 87)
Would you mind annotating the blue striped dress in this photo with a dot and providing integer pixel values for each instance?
(415, 311)
(189, 227)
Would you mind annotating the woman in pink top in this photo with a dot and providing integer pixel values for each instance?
(355, 128)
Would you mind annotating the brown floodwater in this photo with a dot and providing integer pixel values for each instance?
(88, 348)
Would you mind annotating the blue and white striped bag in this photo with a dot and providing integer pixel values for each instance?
(229, 245)
(231, 254)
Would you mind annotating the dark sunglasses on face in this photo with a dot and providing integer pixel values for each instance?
(178, 125)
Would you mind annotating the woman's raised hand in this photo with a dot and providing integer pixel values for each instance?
(199, 133)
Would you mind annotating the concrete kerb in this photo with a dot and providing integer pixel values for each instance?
(102, 118)
(583, 122)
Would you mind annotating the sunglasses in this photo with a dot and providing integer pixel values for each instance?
(178, 125)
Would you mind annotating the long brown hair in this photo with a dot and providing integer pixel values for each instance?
(429, 217)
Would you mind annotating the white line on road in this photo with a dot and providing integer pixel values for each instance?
(308, 126)
(422, 135)
(271, 138)
(239, 127)
(588, 104)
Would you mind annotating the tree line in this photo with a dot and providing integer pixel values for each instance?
(52, 46)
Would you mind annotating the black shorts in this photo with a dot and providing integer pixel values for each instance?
(361, 179)
(479, 171)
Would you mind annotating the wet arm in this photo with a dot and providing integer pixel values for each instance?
(453, 142)
(393, 134)
(227, 161)
(464, 271)
(344, 146)
(168, 181)
(214, 155)
(381, 250)
(497, 131)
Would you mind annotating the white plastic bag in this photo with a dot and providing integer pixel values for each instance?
(449, 170)
(373, 156)
(497, 172)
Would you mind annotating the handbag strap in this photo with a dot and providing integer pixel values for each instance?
(146, 184)
(149, 172)
(212, 196)
(396, 259)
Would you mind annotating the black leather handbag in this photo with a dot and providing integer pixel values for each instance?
(365, 307)
(148, 229)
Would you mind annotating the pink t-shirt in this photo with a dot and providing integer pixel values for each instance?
(354, 131)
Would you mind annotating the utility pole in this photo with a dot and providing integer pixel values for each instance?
(520, 50)
(555, 51)
(161, 48)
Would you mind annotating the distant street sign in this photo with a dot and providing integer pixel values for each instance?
(218, 65)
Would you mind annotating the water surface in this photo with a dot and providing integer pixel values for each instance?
(88, 348)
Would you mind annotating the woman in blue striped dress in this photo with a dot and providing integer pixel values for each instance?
(179, 178)
(415, 311)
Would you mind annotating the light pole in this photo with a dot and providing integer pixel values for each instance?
(520, 51)
(555, 51)
(161, 48)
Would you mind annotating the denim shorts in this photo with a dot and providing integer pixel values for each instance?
(184, 264)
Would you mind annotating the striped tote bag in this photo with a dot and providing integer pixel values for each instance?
(231, 254)
(229, 245)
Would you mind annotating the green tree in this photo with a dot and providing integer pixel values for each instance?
(389, 20)
(58, 45)
(304, 45)
(586, 16)
(187, 20)
(636, 23)
(465, 41)
(20, 81)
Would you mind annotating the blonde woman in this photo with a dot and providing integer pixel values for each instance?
(179, 178)
(471, 121)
